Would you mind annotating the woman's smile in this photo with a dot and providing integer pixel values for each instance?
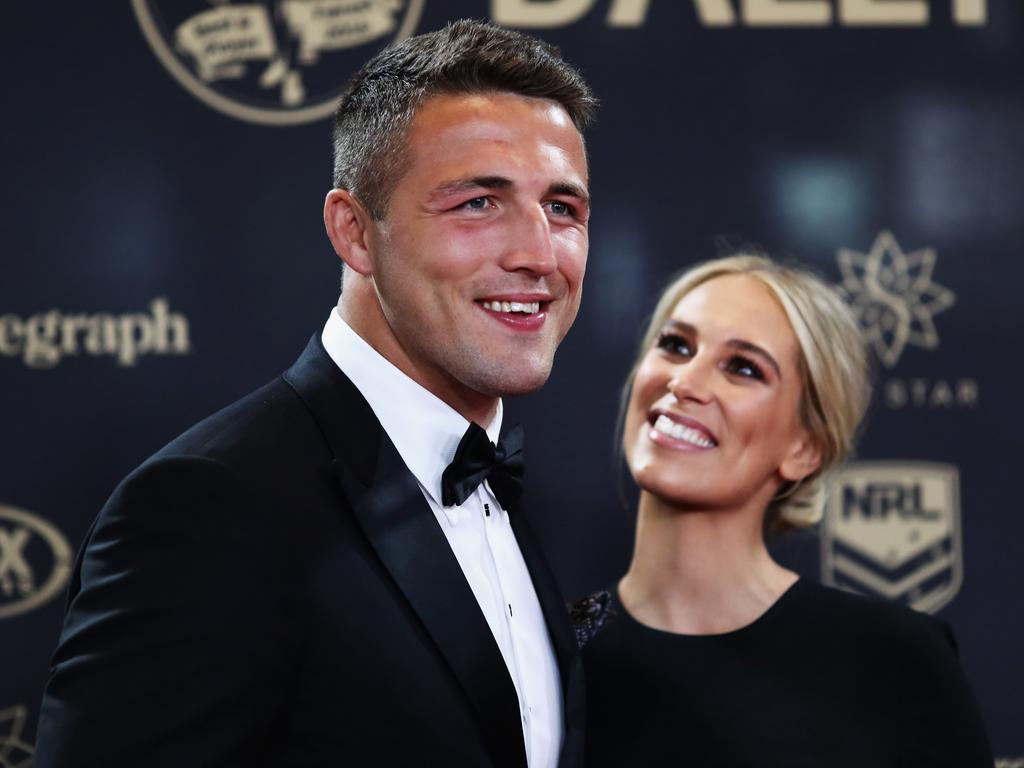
(679, 432)
(720, 386)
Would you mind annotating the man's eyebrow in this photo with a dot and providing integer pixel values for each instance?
(456, 186)
(746, 346)
(571, 190)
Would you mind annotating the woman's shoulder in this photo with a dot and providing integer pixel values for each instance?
(834, 618)
(590, 615)
(866, 619)
(914, 655)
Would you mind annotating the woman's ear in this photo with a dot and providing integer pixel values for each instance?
(348, 227)
(803, 459)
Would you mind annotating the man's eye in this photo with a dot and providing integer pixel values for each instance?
(476, 204)
(559, 208)
(745, 367)
(674, 344)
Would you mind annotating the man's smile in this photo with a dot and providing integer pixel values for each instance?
(523, 312)
(529, 307)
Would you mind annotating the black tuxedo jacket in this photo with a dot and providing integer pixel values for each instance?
(271, 589)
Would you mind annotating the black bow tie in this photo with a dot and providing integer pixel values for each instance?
(477, 459)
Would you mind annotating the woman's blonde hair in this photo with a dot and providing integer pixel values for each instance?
(834, 371)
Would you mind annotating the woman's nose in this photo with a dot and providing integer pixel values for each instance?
(690, 382)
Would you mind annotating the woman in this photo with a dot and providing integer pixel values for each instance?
(751, 383)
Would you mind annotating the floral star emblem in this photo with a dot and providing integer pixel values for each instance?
(893, 296)
(14, 753)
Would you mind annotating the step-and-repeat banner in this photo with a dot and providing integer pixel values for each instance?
(165, 163)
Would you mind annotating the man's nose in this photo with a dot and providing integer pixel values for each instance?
(530, 247)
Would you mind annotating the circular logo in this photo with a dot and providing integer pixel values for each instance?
(35, 561)
(277, 62)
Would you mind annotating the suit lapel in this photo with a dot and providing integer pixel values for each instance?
(389, 507)
(556, 614)
(557, 617)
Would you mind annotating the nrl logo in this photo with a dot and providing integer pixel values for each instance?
(892, 530)
(893, 296)
(280, 62)
(14, 751)
(35, 562)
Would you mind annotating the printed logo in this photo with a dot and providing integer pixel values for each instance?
(278, 63)
(895, 300)
(35, 562)
(892, 529)
(14, 752)
(43, 340)
(751, 13)
(893, 295)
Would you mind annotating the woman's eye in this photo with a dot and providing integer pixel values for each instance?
(743, 366)
(674, 344)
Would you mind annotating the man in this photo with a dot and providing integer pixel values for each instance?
(301, 579)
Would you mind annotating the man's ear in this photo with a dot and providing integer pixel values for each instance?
(348, 226)
(803, 459)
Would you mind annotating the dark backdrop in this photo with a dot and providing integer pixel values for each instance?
(163, 254)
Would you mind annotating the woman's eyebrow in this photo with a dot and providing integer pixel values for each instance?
(746, 346)
(679, 325)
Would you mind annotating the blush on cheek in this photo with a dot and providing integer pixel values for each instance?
(573, 239)
(572, 256)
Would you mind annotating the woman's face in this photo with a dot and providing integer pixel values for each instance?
(713, 420)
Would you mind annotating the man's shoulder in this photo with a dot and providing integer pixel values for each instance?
(298, 417)
(270, 420)
(262, 456)
(271, 438)
(250, 443)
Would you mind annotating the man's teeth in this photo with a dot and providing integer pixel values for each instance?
(526, 307)
(675, 430)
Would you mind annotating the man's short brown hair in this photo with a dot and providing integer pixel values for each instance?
(464, 57)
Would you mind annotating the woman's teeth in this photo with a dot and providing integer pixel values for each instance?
(526, 307)
(677, 431)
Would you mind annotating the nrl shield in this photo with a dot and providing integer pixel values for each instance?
(892, 530)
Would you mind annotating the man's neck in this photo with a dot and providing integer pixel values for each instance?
(471, 405)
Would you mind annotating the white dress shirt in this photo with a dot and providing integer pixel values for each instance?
(426, 431)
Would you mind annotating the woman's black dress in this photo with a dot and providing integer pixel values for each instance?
(824, 678)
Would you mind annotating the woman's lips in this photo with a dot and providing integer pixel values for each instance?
(677, 431)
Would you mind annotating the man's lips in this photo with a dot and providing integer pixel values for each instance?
(520, 311)
(677, 431)
(522, 307)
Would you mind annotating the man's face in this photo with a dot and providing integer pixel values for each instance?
(479, 262)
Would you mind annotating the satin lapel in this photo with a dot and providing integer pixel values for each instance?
(391, 510)
(554, 607)
(556, 615)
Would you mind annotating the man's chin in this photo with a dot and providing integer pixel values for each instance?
(518, 380)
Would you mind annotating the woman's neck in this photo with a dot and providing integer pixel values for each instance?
(700, 572)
